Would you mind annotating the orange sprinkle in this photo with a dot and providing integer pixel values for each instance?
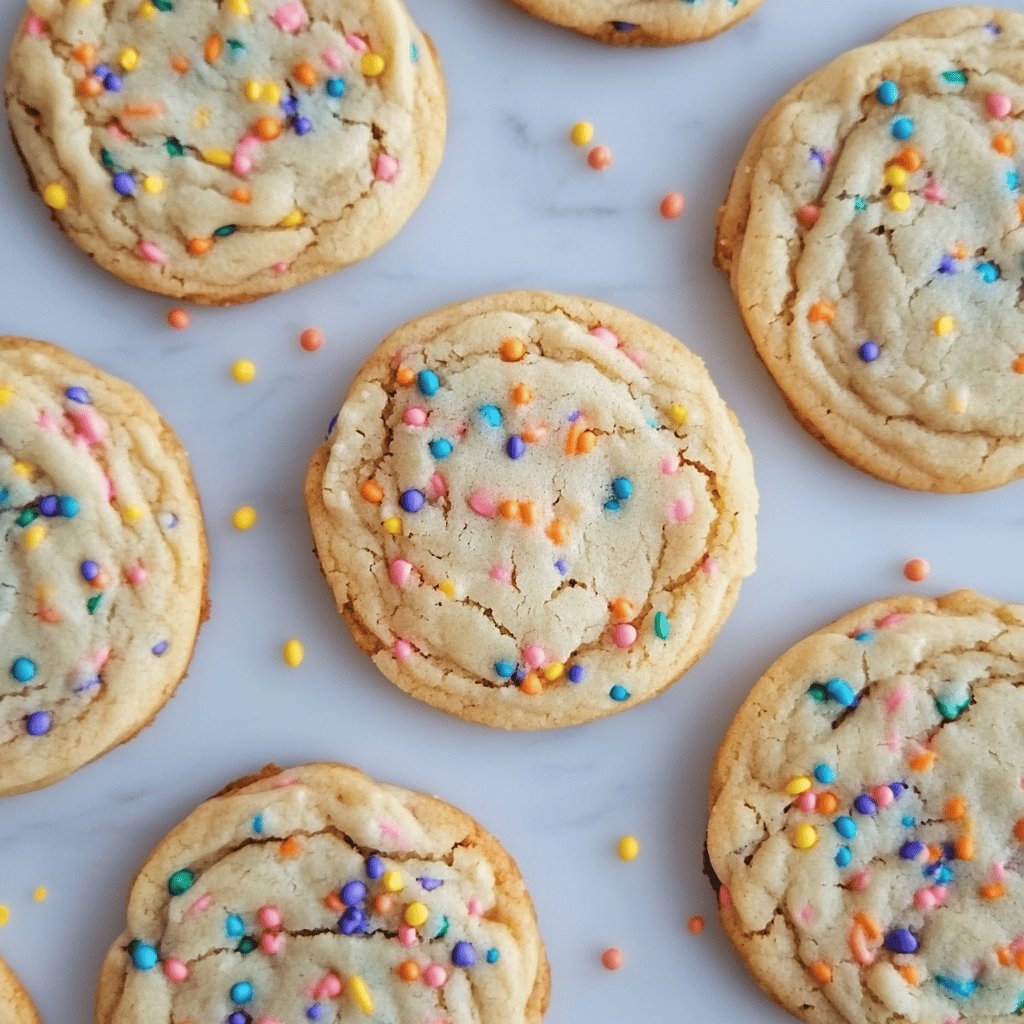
(909, 159)
(90, 86)
(828, 803)
(821, 313)
(241, 195)
(408, 970)
(955, 808)
(558, 531)
(572, 435)
(587, 443)
(963, 847)
(512, 350)
(1004, 145)
(621, 610)
(869, 924)
(521, 394)
(934, 853)
(405, 375)
(212, 49)
(1020, 208)
(151, 109)
(311, 339)
(909, 974)
(1018, 363)
(333, 903)
(85, 54)
(821, 971)
(290, 847)
(305, 73)
(178, 318)
(49, 615)
(992, 891)
(959, 251)
(1003, 956)
(531, 685)
(695, 925)
(180, 64)
(532, 433)
(924, 761)
(268, 128)
(200, 246)
(917, 570)
(528, 513)
(372, 492)
(383, 903)
(509, 509)
(1018, 830)
(1019, 960)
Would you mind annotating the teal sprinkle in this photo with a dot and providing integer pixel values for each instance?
(955, 77)
(257, 824)
(908, 821)
(93, 603)
(174, 147)
(163, 5)
(860, 204)
(26, 517)
(108, 160)
(246, 946)
(662, 626)
(951, 710)
(965, 988)
(1020, 1003)
(414, 52)
(237, 48)
(443, 930)
(226, 231)
(5, 495)
(817, 693)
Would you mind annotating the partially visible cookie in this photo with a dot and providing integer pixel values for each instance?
(872, 235)
(103, 565)
(533, 510)
(316, 894)
(642, 22)
(16, 1005)
(867, 817)
(221, 150)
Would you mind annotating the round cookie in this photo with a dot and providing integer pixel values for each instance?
(316, 894)
(871, 236)
(867, 816)
(16, 1002)
(642, 22)
(533, 510)
(222, 150)
(103, 567)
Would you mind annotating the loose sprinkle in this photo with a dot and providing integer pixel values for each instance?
(629, 848)
(582, 133)
(612, 959)
(695, 925)
(244, 518)
(600, 158)
(672, 205)
(293, 652)
(311, 339)
(917, 570)
(178, 318)
(243, 371)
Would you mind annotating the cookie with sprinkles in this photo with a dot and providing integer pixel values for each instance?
(643, 22)
(17, 1004)
(317, 894)
(872, 237)
(223, 150)
(533, 510)
(103, 565)
(867, 817)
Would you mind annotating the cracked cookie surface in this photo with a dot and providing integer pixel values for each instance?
(317, 894)
(867, 817)
(222, 151)
(872, 236)
(16, 1002)
(533, 510)
(642, 22)
(103, 565)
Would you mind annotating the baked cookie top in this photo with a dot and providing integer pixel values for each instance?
(316, 894)
(103, 565)
(873, 234)
(643, 22)
(867, 816)
(533, 510)
(220, 150)
(16, 1003)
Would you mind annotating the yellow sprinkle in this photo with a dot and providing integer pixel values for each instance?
(804, 837)
(34, 536)
(129, 58)
(132, 513)
(244, 518)
(217, 157)
(55, 196)
(147, 10)
(447, 587)
(582, 132)
(252, 90)
(895, 176)
(22, 469)
(957, 401)
(360, 994)
(393, 881)
(293, 220)
(371, 65)
(39, 894)
(900, 201)
(244, 371)
(554, 671)
(6, 394)
(944, 325)
(416, 914)
(798, 785)
(270, 93)
(679, 414)
(153, 184)
(293, 653)
(201, 118)
(629, 847)
(5, 914)
(239, 7)
(393, 525)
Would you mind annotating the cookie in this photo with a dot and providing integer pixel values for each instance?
(103, 569)
(317, 894)
(222, 150)
(533, 510)
(643, 22)
(871, 236)
(16, 1003)
(867, 816)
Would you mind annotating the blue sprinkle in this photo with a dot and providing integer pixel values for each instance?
(241, 992)
(988, 272)
(335, 87)
(504, 669)
(846, 827)
(491, 415)
(965, 988)
(67, 506)
(234, 927)
(441, 448)
(492, 956)
(843, 857)
(841, 692)
(257, 824)
(619, 693)
(315, 1012)
(908, 821)
(23, 670)
(427, 382)
(1013, 181)
(888, 93)
(944, 875)
(825, 774)
(623, 488)
(864, 638)
(79, 395)
(902, 128)
(612, 506)
(144, 957)
(414, 52)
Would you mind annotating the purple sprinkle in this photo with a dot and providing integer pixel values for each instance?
(901, 940)
(49, 505)
(912, 850)
(573, 416)
(865, 805)
(820, 157)
(623, 26)
(515, 447)
(38, 723)
(412, 500)
(159, 648)
(948, 851)
(112, 82)
(315, 1012)
(430, 884)
(124, 183)
(238, 1017)
(463, 955)
(897, 789)
(575, 673)
(88, 684)
(89, 570)
(302, 126)
(947, 265)
(352, 921)
(79, 395)
(868, 352)
(374, 867)
(352, 893)
(561, 566)
(290, 105)
(520, 674)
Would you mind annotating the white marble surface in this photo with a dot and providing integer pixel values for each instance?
(515, 205)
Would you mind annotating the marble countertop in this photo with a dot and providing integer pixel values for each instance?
(515, 206)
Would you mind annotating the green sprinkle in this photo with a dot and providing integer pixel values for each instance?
(443, 930)
(817, 692)
(181, 881)
(27, 517)
(108, 160)
(93, 603)
(662, 627)
(246, 946)
(955, 77)
(225, 231)
(174, 147)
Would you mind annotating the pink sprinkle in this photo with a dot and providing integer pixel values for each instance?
(1017, 944)
(249, 143)
(332, 59)
(152, 252)
(438, 486)
(475, 906)
(117, 132)
(269, 917)
(385, 168)
(808, 215)
(330, 987)
(934, 192)
(681, 509)
(175, 970)
(89, 424)
(998, 104)
(941, 893)
(894, 701)
(407, 935)
(241, 163)
(534, 655)
(136, 575)
(638, 357)
(283, 782)
(890, 620)
(624, 635)
(807, 801)
(724, 896)
(415, 416)
(35, 26)
(670, 465)
(434, 976)
(281, 268)
(268, 1020)
(604, 335)
(882, 795)
(47, 422)
(459, 430)
(482, 504)
(500, 574)
(401, 649)
(271, 942)
(400, 571)
(291, 17)
(894, 740)
(393, 832)
(199, 905)
(111, 490)
(99, 657)
(357, 43)
(924, 899)
(709, 566)
(861, 880)
(808, 913)
(998, 871)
